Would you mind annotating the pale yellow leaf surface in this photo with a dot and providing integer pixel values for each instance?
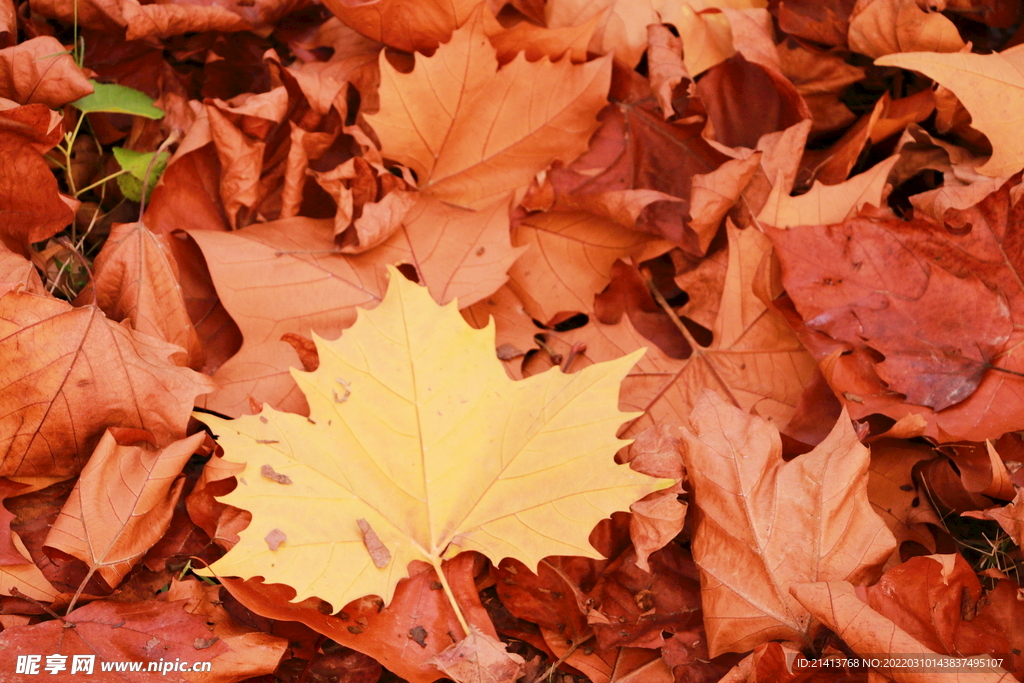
(473, 132)
(826, 204)
(415, 428)
(867, 632)
(783, 522)
(991, 87)
(287, 276)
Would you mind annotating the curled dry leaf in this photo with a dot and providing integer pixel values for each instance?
(479, 658)
(31, 206)
(992, 89)
(422, 383)
(783, 523)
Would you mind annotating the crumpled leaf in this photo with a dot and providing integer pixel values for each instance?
(469, 147)
(990, 86)
(479, 658)
(1010, 517)
(518, 499)
(41, 70)
(70, 374)
(786, 522)
(123, 501)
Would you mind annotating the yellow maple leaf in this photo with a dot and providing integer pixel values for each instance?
(418, 446)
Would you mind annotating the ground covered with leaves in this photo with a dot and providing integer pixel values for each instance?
(622, 341)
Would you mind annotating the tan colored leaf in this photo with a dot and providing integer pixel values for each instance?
(413, 452)
(867, 632)
(538, 42)
(41, 70)
(569, 257)
(622, 30)
(990, 86)
(70, 373)
(894, 494)
(135, 278)
(825, 204)
(882, 27)
(410, 25)
(656, 520)
(479, 658)
(469, 147)
(122, 503)
(788, 523)
(706, 38)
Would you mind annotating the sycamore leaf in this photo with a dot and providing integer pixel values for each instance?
(479, 658)
(468, 146)
(415, 428)
(867, 632)
(288, 276)
(69, 373)
(824, 204)
(784, 522)
(991, 87)
(410, 25)
(122, 503)
(135, 278)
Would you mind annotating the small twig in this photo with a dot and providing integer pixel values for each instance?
(18, 594)
(554, 667)
(171, 139)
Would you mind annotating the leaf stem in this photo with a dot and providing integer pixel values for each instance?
(439, 570)
(99, 182)
(78, 593)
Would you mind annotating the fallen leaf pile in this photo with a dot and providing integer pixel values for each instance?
(511, 341)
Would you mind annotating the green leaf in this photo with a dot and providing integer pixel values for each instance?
(118, 99)
(136, 164)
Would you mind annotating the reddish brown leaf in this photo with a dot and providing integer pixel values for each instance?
(122, 503)
(41, 70)
(72, 373)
